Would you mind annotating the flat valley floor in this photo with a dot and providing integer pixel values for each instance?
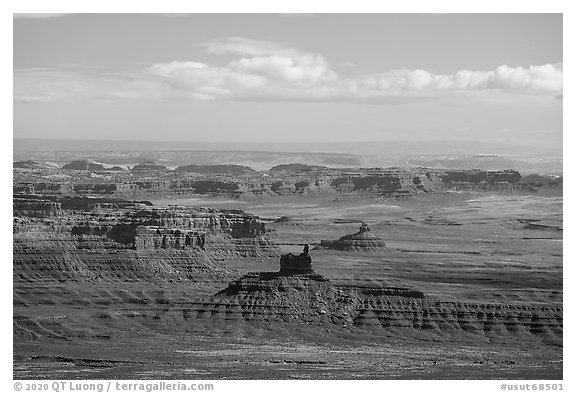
(456, 247)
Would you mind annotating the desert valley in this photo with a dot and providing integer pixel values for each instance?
(409, 273)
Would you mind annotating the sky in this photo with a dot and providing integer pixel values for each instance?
(494, 78)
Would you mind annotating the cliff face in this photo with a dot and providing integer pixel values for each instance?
(62, 259)
(93, 237)
(234, 181)
(35, 207)
(42, 187)
(487, 180)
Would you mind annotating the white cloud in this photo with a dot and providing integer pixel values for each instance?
(265, 70)
(203, 81)
(275, 61)
(535, 79)
(546, 77)
(306, 69)
(168, 69)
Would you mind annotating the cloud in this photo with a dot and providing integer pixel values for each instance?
(264, 70)
(302, 70)
(534, 79)
(546, 77)
(275, 61)
(202, 81)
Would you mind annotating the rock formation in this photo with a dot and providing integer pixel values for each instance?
(296, 264)
(296, 294)
(31, 206)
(86, 238)
(297, 291)
(234, 181)
(85, 241)
(363, 241)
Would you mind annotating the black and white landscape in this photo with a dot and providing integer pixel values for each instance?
(288, 196)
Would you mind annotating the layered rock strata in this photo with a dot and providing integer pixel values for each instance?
(234, 181)
(92, 239)
(301, 295)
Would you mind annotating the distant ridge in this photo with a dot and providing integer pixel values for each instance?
(263, 156)
(84, 165)
(373, 147)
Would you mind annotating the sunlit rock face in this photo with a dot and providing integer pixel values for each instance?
(71, 239)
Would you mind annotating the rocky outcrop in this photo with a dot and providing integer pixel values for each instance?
(361, 241)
